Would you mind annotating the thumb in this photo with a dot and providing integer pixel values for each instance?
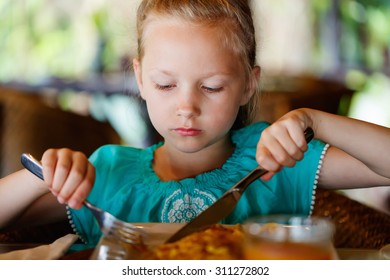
(267, 176)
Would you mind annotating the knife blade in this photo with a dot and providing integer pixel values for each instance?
(225, 204)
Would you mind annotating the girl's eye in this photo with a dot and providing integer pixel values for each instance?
(164, 87)
(212, 90)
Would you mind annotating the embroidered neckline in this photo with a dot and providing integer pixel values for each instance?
(222, 175)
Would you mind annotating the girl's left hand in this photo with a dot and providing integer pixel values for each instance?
(283, 143)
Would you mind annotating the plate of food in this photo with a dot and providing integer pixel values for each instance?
(218, 242)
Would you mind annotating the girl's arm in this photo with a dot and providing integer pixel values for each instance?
(24, 198)
(359, 155)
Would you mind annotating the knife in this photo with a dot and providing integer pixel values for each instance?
(224, 205)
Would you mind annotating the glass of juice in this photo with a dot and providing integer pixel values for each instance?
(385, 252)
(286, 237)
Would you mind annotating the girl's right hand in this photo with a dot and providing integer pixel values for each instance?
(283, 143)
(69, 174)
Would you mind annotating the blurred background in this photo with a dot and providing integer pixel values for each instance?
(66, 78)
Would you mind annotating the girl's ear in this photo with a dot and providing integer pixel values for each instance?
(252, 85)
(138, 75)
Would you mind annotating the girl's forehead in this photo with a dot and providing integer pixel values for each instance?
(154, 21)
(173, 45)
(183, 34)
(173, 37)
(175, 28)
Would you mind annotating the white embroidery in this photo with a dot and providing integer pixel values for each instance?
(71, 222)
(182, 208)
(315, 183)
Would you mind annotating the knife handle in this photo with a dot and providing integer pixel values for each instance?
(241, 186)
(309, 134)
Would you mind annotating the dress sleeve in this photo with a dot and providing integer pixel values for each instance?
(303, 178)
(290, 191)
(82, 220)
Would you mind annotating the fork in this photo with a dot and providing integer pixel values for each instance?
(110, 226)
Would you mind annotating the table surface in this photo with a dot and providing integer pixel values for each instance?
(343, 253)
(358, 254)
(5, 248)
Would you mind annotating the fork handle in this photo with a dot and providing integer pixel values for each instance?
(32, 165)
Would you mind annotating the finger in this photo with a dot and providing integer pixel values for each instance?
(81, 193)
(266, 160)
(49, 161)
(298, 136)
(292, 144)
(75, 177)
(267, 176)
(62, 169)
(289, 152)
(275, 145)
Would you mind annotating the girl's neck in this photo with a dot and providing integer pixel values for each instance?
(176, 165)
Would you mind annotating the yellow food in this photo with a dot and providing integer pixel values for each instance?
(215, 243)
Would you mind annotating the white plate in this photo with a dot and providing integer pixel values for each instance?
(158, 233)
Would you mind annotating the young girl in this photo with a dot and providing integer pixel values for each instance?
(196, 71)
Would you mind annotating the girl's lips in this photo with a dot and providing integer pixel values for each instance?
(188, 131)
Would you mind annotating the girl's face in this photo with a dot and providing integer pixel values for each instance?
(193, 87)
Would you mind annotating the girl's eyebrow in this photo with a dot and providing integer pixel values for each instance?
(161, 71)
(214, 74)
(206, 75)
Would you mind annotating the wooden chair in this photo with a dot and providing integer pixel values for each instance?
(357, 225)
(281, 94)
(29, 125)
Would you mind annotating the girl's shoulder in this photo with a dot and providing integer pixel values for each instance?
(119, 155)
(114, 150)
(249, 136)
(243, 159)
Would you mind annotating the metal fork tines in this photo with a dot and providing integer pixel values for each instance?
(110, 226)
(113, 227)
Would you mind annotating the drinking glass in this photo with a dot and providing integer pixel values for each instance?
(384, 252)
(286, 237)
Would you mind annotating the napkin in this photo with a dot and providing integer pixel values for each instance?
(52, 251)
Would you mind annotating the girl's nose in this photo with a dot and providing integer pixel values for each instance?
(188, 106)
(187, 112)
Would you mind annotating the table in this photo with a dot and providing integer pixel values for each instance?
(344, 253)
(358, 254)
(5, 248)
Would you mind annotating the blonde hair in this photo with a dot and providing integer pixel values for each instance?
(233, 16)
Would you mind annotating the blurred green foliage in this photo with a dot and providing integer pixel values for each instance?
(356, 31)
(67, 39)
(353, 46)
(74, 39)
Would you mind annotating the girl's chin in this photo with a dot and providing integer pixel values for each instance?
(188, 148)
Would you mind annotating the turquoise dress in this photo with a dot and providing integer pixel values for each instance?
(127, 187)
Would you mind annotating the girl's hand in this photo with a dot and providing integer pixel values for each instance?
(283, 143)
(69, 174)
